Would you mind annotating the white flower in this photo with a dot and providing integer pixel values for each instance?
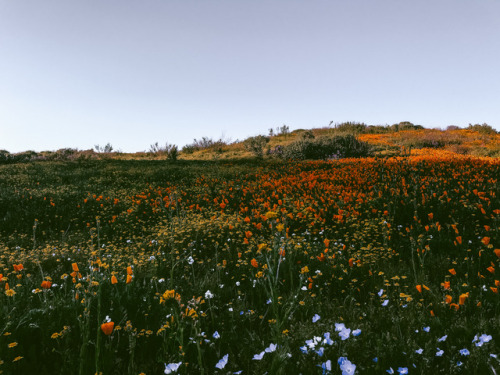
(190, 260)
(209, 295)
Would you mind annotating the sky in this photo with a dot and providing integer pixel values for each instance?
(84, 73)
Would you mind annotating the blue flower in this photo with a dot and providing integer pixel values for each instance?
(426, 329)
(390, 371)
(326, 366)
(303, 349)
(385, 303)
(223, 362)
(258, 357)
(443, 338)
(356, 332)
(346, 366)
(419, 351)
(172, 367)
(271, 348)
(375, 359)
(380, 292)
(216, 335)
(403, 370)
(339, 327)
(320, 351)
(439, 353)
(344, 334)
(315, 318)
(464, 352)
(327, 339)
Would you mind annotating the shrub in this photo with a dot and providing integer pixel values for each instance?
(307, 134)
(351, 127)
(204, 143)
(104, 149)
(256, 145)
(172, 152)
(405, 125)
(326, 148)
(5, 156)
(483, 128)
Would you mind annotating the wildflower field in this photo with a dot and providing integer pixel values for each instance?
(366, 266)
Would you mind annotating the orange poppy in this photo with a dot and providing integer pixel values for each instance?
(46, 284)
(107, 328)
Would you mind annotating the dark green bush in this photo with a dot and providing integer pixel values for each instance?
(343, 146)
(351, 127)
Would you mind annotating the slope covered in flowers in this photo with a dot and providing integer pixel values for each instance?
(367, 265)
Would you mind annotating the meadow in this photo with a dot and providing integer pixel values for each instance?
(370, 266)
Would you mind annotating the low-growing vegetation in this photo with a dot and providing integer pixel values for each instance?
(353, 265)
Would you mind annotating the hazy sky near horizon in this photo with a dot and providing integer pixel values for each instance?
(80, 73)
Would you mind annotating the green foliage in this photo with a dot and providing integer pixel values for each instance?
(256, 145)
(405, 125)
(350, 127)
(171, 151)
(482, 128)
(205, 143)
(342, 146)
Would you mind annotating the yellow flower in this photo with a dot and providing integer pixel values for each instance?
(17, 358)
(12, 344)
(304, 269)
(55, 335)
(10, 292)
(271, 215)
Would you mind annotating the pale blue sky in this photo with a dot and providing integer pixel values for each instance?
(80, 73)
